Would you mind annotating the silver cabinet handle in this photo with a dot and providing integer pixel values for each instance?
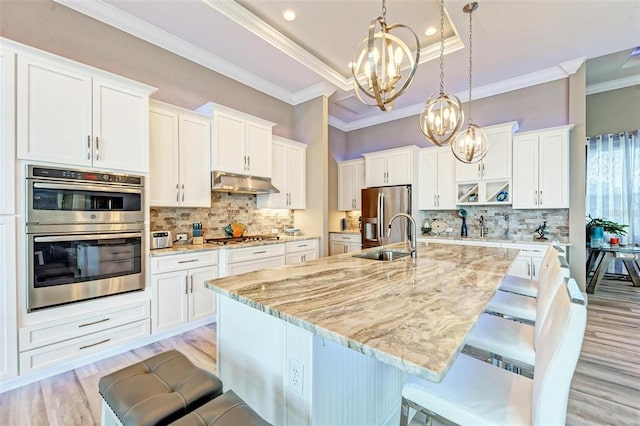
(94, 322)
(186, 284)
(302, 245)
(478, 170)
(529, 269)
(540, 198)
(97, 148)
(248, 163)
(438, 200)
(244, 158)
(88, 147)
(94, 344)
(482, 169)
(434, 200)
(259, 252)
(533, 267)
(183, 192)
(177, 192)
(535, 197)
(188, 261)
(191, 291)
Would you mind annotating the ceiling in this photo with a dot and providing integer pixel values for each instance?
(515, 44)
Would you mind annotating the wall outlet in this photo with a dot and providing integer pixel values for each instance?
(274, 230)
(181, 237)
(449, 229)
(296, 375)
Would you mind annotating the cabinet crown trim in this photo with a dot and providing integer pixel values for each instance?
(165, 106)
(286, 141)
(388, 151)
(210, 107)
(563, 128)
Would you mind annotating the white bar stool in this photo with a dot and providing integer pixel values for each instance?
(525, 286)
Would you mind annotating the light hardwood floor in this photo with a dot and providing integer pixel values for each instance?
(605, 388)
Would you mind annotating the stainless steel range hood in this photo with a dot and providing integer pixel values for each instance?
(241, 184)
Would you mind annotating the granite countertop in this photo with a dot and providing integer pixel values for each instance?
(411, 313)
(181, 248)
(531, 240)
(348, 231)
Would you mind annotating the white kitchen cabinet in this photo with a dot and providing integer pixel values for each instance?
(487, 181)
(344, 243)
(241, 143)
(289, 169)
(7, 132)
(528, 262)
(8, 299)
(179, 295)
(541, 169)
(73, 114)
(180, 169)
(436, 179)
(249, 259)
(391, 167)
(301, 251)
(350, 184)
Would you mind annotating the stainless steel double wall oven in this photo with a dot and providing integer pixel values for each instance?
(84, 235)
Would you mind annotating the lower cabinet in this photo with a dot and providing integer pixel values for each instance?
(179, 294)
(528, 262)
(8, 299)
(344, 243)
(301, 251)
(249, 259)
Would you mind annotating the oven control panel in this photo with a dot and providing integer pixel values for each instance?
(85, 176)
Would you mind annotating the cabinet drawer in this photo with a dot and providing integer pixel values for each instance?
(346, 238)
(179, 262)
(298, 246)
(57, 331)
(256, 265)
(257, 252)
(51, 355)
(527, 249)
(301, 256)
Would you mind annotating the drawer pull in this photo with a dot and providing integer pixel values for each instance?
(259, 252)
(93, 323)
(188, 261)
(302, 245)
(94, 344)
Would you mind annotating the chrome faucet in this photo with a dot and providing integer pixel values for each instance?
(483, 230)
(413, 231)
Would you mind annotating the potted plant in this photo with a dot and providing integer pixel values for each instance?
(596, 227)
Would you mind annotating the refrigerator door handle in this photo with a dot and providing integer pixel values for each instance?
(380, 217)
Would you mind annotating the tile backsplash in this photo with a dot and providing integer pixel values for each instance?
(225, 208)
(519, 224)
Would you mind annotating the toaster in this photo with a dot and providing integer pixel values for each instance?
(161, 239)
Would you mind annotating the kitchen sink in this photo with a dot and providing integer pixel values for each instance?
(385, 255)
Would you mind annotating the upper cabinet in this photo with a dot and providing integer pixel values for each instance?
(288, 175)
(541, 169)
(350, 183)
(241, 143)
(488, 181)
(391, 167)
(73, 114)
(180, 170)
(436, 179)
(7, 132)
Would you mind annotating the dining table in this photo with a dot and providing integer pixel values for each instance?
(600, 257)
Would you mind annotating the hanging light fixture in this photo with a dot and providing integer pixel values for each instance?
(470, 145)
(442, 116)
(379, 62)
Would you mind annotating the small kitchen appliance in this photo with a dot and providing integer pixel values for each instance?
(161, 239)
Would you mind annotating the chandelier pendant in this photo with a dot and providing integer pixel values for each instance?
(470, 145)
(380, 64)
(442, 116)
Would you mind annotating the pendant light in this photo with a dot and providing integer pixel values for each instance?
(442, 116)
(470, 145)
(381, 62)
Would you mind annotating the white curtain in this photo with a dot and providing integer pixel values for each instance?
(613, 180)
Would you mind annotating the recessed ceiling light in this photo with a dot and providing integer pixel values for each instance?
(289, 15)
(430, 31)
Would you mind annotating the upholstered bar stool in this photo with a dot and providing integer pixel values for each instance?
(226, 410)
(525, 286)
(156, 391)
(476, 393)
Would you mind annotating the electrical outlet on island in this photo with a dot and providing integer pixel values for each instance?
(296, 375)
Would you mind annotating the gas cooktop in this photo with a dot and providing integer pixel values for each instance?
(244, 239)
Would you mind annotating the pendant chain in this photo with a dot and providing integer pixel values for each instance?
(470, 61)
(441, 47)
(384, 10)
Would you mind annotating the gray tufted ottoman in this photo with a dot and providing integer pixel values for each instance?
(156, 391)
(226, 410)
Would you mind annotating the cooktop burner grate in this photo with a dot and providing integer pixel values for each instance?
(236, 240)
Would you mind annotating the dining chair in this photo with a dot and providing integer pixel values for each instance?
(515, 341)
(476, 393)
(526, 286)
(523, 308)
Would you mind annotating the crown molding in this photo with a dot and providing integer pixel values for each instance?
(312, 92)
(620, 83)
(123, 21)
(571, 66)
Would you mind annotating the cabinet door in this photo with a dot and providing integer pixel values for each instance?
(8, 302)
(195, 167)
(163, 158)
(227, 153)
(553, 173)
(521, 267)
(358, 183)
(279, 179)
(399, 168)
(428, 175)
(352, 247)
(336, 247)
(497, 163)
(467, 172)
(376, 171)
(258, 150)
(296, 177)
(525, 175)
(346, 190)
(169, 301)
(7, 132)
(536, 265)
(53, 113)
(446, 197)
(202, 301)
(120, 128)
(255, 265)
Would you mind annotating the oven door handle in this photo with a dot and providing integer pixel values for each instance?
(86, 237)
(86, 187)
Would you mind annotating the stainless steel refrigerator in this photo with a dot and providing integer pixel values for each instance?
(378, 207)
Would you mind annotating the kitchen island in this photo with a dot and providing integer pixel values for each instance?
(331, 341)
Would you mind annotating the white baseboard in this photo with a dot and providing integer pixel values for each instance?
(19, 381)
